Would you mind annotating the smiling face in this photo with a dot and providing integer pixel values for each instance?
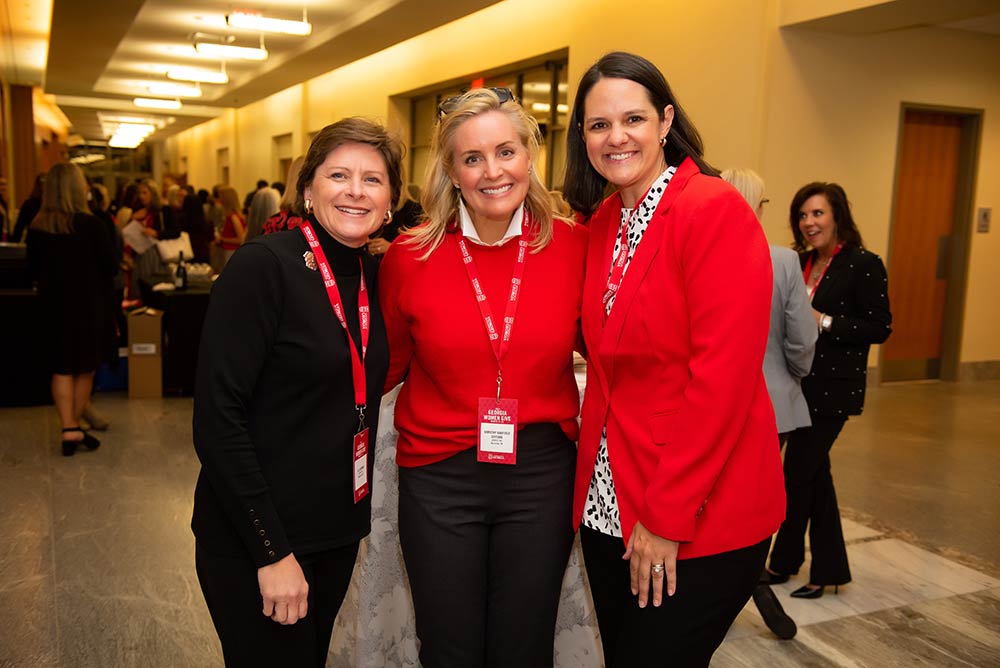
(622, 131)
(350, 193)
(491, 165)
(817, 224)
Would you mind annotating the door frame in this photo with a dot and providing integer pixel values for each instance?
(962, 224)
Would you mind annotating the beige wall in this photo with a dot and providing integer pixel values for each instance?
(833, 114)
(796, 105)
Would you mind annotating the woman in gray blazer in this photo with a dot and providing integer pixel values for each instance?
(791, 343)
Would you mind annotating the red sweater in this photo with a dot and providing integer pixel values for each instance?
(438, 341)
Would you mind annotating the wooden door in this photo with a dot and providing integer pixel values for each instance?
(922, 243)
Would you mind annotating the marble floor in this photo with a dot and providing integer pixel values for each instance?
(96, 561)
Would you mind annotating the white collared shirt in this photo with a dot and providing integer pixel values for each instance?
(469, 230)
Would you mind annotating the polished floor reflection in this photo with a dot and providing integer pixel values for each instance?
(96, 568)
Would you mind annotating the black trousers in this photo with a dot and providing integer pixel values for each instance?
(485, 547)
(812, 503)
(687, 628)
(249, 639)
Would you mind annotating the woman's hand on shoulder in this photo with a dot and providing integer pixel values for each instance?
(284, 589)
(645, 549)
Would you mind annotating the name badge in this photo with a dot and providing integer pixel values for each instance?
(497, 431)
(360, 465)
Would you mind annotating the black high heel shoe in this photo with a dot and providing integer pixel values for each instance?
(88, 441)
(805, 591)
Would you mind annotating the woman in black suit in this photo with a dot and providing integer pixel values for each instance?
(849, 291)
(291, 368)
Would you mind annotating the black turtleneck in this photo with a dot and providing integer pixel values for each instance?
(274, 415)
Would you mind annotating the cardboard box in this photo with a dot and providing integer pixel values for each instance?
(145, 354)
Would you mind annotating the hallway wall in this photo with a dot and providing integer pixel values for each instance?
(795, 104)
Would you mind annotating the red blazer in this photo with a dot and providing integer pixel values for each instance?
(675, 372)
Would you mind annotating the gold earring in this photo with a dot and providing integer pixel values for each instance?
(308, 205)
(388, 217)
(663, 140)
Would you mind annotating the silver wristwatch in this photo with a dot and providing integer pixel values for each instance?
(826, 322)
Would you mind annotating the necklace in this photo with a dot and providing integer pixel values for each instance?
(817, 270)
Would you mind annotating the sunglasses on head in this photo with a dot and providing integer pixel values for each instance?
(448, 106)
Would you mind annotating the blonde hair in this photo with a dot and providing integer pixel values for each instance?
(440, 197)
(63, 196)
(288, 199)
(748, 183)
(229, 199)
(155, 202)
(174, 196)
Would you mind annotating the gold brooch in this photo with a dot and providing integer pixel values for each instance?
(309, 259)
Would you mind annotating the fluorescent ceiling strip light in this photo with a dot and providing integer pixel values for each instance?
(254, 21)
(172, 89)
(229, 52)
(153, 103)
(195, 74)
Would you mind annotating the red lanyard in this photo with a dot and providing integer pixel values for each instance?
(500, 343)
(364, 317)
(809, 266)
(618, 266)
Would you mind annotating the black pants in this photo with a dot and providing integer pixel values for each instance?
(249, 639)
(485, 547)
(812, 502)
(687, 628)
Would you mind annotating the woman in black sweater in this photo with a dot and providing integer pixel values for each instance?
(72, 259)
(286, 412)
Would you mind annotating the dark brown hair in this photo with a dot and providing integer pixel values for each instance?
(584, 186)
(353, 130)
(847, 230)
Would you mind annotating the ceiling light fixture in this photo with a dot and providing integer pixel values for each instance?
(173, 90)
(230, 52)
(197, 75)
(127, 135)
(255, 21)
(141, 129)
(124, 142)
(153, 103)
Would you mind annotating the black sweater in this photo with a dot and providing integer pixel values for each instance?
(274, 414)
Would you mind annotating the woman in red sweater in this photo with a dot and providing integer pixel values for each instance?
(482, 305)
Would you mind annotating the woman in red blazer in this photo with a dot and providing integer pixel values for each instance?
(678, 481)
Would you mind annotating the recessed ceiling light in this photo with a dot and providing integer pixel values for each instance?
(254, 21)
(154, 103)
